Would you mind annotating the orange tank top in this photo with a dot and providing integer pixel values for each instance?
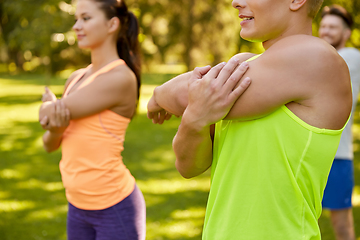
(92, 170)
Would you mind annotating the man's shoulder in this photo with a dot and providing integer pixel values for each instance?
(309, 54)
(244, 56)
(304, 47)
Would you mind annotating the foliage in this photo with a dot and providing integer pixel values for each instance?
(37, 36)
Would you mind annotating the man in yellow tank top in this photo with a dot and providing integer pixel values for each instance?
(275, 116)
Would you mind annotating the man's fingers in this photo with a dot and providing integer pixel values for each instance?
(239, 90)
(150, 115)
(201, 71)
(214, 72)
(161, 118)
(168, 116)
(228, 70)
(155, 118)
(235, 77)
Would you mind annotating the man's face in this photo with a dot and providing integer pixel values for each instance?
(332, 30)
(262, 20)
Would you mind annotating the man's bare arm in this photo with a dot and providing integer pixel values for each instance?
(172, 96)
(210, 99)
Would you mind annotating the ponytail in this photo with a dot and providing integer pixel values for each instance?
(128, 46)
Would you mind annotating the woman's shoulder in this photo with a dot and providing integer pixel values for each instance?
(119, 76)
(73, 76)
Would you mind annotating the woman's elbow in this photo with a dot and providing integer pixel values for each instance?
(49, 149)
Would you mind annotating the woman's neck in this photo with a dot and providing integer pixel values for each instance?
(103, 55)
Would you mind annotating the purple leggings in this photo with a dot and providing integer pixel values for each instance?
(125, 220)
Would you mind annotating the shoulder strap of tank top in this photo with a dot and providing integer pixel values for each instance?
(104, 69)
(74, 81)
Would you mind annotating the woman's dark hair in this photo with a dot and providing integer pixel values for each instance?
(127, 42)
(339, 11)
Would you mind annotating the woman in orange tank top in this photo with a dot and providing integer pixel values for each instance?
(90, 122)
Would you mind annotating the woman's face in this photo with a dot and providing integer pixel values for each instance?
(90, 24)
(263, 20)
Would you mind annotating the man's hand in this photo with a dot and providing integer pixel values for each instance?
(156, 113)
(212, 95)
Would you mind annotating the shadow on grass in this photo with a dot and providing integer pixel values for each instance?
(32, 199)
(12, 100)
(32, 204)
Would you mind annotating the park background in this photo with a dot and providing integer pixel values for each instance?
(38, 48)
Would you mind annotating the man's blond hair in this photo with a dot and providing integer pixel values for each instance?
(314, 7)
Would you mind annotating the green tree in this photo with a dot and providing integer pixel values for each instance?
(36, 34)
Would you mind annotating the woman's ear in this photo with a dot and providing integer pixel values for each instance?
(296, 4)
(114, 24)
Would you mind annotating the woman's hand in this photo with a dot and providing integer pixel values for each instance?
(48, 95)
(58, 119)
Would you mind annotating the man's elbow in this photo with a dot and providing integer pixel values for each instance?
(187, 172)
(183, 173)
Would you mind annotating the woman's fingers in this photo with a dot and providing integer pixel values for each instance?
(44, 122)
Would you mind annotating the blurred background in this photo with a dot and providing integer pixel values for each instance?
(38, 48)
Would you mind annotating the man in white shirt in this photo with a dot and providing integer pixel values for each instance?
(335, 28)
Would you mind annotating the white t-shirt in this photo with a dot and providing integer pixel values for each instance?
(352, 59)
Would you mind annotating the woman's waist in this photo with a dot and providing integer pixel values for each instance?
(91, 180)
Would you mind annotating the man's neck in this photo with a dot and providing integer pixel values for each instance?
(299, 29)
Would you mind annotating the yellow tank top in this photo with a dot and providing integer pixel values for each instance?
(92, 170)
(267, 178)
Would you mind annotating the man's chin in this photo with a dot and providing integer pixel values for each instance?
(250, 38)
(254, 40)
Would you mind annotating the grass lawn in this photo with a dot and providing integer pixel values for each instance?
(32, 199)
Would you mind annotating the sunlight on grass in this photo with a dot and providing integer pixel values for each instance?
(161, 186)
(14, 205)
(356, 196)
(30, 184)
(20, 112)
(174, 229)
(10, 173)
(146, 93)
(53, 186)
(189, 213)
(47, 213)
(4, 194)
(8, 88)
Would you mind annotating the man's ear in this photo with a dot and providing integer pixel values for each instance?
(296, 4)
(347, 34)
(114, 24)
